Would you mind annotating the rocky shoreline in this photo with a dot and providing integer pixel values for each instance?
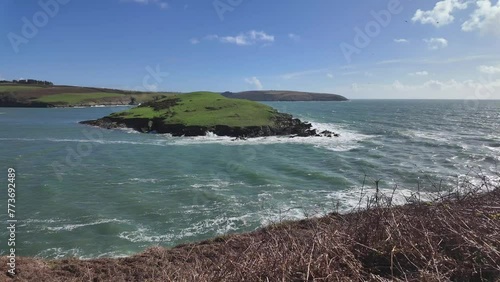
(284, 125)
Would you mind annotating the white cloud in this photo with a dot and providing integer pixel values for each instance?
(489, 69)
(255, 82)
(397, 85)
(247, 38)
(485, 19)
(419, 73)
(430, 89)
(160, 3)
(294, 37)
(467, 88)
(194, 41)
(401, 40)
(452, 60)
(441, 14)
(436, 43)
(439, 85)
(329, 75)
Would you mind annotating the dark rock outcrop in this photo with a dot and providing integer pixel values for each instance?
(284, 124)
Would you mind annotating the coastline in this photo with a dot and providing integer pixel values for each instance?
(69, 107)
(452, 239)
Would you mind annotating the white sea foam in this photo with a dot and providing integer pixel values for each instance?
(348, 139)
(70, 227)
(219, 225)
(215, 184)
(495, 148)
(30, 222)
(115, 254)
(282, 212)
(41, 220)
(467, 180)
(144, 180)
(356, 197)
(59, 253)
(143, 234)
(429, 135)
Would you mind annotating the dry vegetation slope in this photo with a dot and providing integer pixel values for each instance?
(454, 240)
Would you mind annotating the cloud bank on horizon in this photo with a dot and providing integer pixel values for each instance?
(445, 49)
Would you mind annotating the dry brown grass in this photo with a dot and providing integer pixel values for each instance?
(456, 238)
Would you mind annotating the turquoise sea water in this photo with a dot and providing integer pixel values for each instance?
(85, 192)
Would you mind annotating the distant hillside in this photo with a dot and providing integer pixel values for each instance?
(284, 96)
(47, 95)
(43, 94)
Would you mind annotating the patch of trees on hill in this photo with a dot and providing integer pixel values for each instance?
(28, 81)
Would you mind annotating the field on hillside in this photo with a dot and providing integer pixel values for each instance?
(53, 96)
(75, 98)
(10, 88)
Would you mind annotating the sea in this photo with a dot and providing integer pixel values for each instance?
(86, 192)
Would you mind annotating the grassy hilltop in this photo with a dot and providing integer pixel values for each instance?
(203, 109)
(194, 114)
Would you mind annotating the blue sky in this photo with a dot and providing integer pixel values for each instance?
(360, 49)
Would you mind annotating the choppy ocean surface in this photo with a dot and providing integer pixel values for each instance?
(85, 192)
